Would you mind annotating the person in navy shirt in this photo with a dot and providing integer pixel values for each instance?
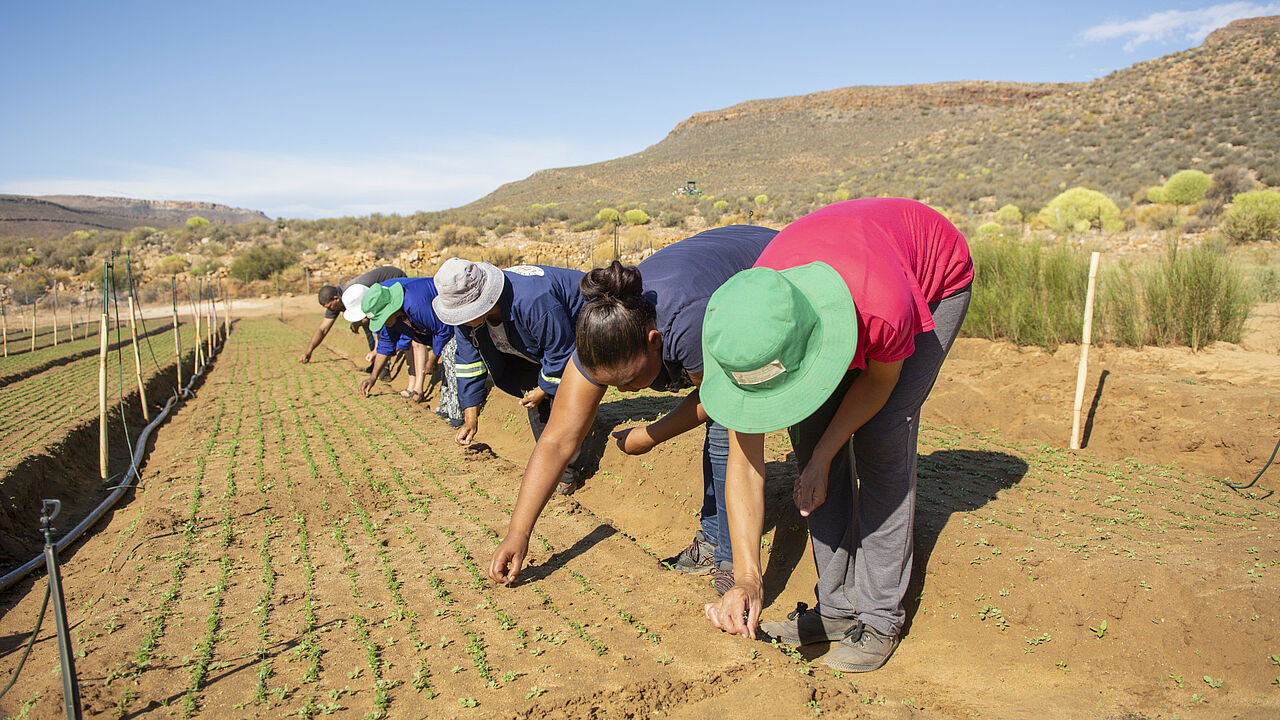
(399, 309)
(515, 328)
(642, 328)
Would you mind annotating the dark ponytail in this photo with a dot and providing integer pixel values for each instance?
(613, 325)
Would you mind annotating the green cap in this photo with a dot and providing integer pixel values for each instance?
(381, 302)
(775, 344)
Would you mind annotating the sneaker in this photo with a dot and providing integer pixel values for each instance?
(804, 626)
(696, 559)
(863, 649)
(722, 577)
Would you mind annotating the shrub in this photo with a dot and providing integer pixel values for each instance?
(1194, 298)
(720, 205)
(196, 221)
(636, 217)
(1229, 182)
(671, 218)
(173, 265)
(1253, 216)
(1159, 217)
(840, 195)
(31, 286)
(762, 199)
(1186, 187)
(451, 234)
(258, 263)
(502, 230)
(989, 231)
(608, 216)
(1079, 204)
(1027, 293)
(1009, 215)
(583, 226)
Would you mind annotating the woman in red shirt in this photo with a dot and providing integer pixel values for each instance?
(837, 333)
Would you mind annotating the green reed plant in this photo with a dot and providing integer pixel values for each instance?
(1028, 293)
(1194, 297)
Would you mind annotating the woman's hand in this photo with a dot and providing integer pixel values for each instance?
(504, 566)
(738, 612)
(366, 385)
(634, 440)
(533, 398)
(811, 486)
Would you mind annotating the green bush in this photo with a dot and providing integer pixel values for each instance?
(1159, 217)
(636, 216)
(840, 195)
(1253, 216)
(1067, 211)
(762, 199)
(721, 205)
(173, 265)
(671, 218)
(989, 231)
(1186, 187)
(258, 263)
(1194, 298)
(1027, 293)
(1009, 215)
(583, 226)
(608, 216)
(196, 221)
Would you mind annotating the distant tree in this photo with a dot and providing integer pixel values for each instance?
(607, 216)
(1229, 182)
(636, 216)
(260, 263)
(762, 199)
(1253, 216)
(1080, 207)
(195, 221)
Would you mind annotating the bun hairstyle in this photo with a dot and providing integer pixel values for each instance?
(613, 325)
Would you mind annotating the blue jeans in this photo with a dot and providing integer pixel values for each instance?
(715, 520)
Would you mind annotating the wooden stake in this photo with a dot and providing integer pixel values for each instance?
(137, 360)
(55, 315)
(4, 328)
(1084, 352)
(177, 332)
(195, 312)
(33, 325)
(102, 397)
(71, 320)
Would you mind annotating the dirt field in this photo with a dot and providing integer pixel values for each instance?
(297, 551)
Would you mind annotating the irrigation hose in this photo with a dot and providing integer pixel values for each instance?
(48, 590)
(109, 502)
(1259, 475)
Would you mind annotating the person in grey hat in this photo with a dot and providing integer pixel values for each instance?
(514, 327)
(331, 299)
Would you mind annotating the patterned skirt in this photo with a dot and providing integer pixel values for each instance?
(448, 407)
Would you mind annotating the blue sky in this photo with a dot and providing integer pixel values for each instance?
(322, 109)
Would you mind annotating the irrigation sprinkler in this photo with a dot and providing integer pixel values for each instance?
(750, 214)
(70, 687)
(1084, 352)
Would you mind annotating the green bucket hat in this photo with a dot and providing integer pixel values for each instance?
(775, 344)
(381, 302)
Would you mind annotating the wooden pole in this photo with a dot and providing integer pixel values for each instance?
(208, 315)
(137, 359)
(280, 296)
(1084, 352)
(102, 396)
(33, 324)
(195, 312)
(226, 320)
(71, 320)
(55, 315)
(177, 332)
(4, 327)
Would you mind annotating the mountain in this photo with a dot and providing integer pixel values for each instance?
(956, 144)
(51, 215)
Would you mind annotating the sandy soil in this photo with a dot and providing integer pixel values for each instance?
(297, 551)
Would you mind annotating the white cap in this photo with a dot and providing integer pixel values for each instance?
(351, 298)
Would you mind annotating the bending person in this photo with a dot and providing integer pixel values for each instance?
(515, 327)
(400, 310)
(330, 298)
(642, 328)
(837, 333)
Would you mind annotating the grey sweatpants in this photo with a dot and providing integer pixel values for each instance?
(862, 533)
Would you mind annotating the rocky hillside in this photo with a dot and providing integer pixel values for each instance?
(953, 143)
(25, 216)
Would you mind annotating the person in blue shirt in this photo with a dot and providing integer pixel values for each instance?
(401, 309)
(515, 328)
(642, 328)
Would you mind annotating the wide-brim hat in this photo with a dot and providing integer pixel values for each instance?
(775, 344)
(465, 290)
(381, 302)
(351, 299)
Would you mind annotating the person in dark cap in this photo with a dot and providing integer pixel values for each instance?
(331, 299)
